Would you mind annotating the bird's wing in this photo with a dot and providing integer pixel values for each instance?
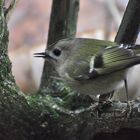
(79, 66)
(114, 59)
(108, 61)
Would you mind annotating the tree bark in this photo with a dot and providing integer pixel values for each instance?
(130, 25)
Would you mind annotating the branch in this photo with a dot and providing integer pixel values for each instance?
(114, 12)
(9, 10)
(129, 27)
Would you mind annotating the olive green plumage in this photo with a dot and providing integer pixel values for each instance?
(92, 66)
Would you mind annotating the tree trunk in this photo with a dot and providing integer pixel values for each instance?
(62, 25)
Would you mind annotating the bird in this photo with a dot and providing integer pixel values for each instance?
(91, 66)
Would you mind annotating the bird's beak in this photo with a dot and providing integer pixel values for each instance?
(44, 55)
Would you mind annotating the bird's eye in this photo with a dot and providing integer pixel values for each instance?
(57, 52)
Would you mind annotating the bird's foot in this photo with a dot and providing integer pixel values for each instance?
(100, 107)
(128, 110)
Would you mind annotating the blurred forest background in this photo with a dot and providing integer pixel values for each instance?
(28, 28)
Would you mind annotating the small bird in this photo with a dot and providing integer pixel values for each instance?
(91, 66)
